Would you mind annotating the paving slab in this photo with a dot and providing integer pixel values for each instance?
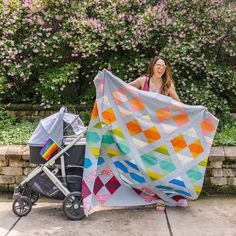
(47, 218)
(7, 219)
(209, 216)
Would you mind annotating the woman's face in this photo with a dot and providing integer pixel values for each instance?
(159, 68)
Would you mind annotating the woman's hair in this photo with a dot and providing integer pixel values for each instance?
(166, 77)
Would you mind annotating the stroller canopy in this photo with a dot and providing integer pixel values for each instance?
(53, 127)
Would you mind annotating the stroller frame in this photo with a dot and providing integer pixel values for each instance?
(22, 204)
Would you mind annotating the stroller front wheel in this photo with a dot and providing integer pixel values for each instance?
(22, 207)
(33, 196)
(72, 206)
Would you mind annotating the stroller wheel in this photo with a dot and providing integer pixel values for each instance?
(34, 197)
(72, 206)
(22, 207)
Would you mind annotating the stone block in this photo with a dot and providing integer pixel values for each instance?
(216, 164)
(207, 181)
(14, 152)
(11, 187)
(218, 181)
(33, 165)
(211, 189)
(4, 187)
(228, 189)
(9, 170)
(217, 172)
(18, 163)
(27, 170)
(4, 179)
(229, 165)
(42, 113)
(208, 172)
(229, 172)
(225, 189)
(3, 163)
(3, 151)
(217, 154)
(230, 153)
(20, 178)
(232, 181)
(25, 153)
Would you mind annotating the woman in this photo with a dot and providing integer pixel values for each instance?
(158, 79)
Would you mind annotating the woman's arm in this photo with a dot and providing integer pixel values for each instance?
(138, 83)
(172, 93)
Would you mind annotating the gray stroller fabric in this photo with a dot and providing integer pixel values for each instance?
(52, 127)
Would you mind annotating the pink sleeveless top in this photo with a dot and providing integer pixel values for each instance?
(146, 83)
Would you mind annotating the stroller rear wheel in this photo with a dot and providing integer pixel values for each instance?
(72, 206)
(22, 206)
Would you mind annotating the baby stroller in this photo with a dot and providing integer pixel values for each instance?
(60, 177)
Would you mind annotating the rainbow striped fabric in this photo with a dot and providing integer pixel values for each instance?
(48, 149)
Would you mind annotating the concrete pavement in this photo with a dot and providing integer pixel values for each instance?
(207, 216)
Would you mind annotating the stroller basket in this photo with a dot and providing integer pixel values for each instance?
(44, 186)
(75, 154)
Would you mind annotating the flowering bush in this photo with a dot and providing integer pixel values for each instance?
(50, 51)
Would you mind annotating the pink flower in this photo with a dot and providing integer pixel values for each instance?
(119, 32)
(58, 17)
(9, 85)
(27, 3)
(30, 21)
(40, 21)
(227, 20)
(93, 22)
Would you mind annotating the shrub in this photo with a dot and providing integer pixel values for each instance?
(227, 132)
(50, 51)
(5, 119)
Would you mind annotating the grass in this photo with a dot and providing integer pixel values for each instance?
(227, 134)
(15, 132)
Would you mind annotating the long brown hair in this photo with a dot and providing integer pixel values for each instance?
(166, 77)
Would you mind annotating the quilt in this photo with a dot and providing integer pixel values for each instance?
(143, 147)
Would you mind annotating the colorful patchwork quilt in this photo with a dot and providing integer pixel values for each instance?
(143, 147)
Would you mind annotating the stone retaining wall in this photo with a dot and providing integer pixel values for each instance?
(29, 111)
(221, 171)
(220, 174)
